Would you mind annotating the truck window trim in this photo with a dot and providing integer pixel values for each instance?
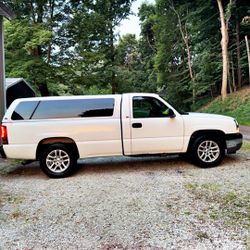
(159, 115)
(89, 108)
(77, 108)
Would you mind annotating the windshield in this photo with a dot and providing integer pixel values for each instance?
(181, 112)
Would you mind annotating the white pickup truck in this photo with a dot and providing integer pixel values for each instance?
(59, 130)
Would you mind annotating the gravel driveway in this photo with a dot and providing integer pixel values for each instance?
(245, 130)
(127, 203)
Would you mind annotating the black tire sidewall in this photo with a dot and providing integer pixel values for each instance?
(67, 172)
(194, 154)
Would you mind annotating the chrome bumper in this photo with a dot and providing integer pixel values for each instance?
(233, 142)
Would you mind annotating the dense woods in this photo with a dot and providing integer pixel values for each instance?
(188, 51)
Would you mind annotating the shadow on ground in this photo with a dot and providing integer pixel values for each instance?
(107, 165)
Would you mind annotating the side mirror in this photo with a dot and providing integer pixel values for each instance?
(171, 114)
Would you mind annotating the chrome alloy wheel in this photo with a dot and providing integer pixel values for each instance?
(208, 151)
(58, 160)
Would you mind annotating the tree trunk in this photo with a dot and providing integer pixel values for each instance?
(224, 48)
(230, 80)
(2, 72)
(238, 52)
(211, 92)
(51, 7)
(43, 88)
(233, 74)
(185, 38)
(248, 57)
(112, 59)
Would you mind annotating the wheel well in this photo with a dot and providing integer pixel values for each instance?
(43, 144)
(216, 133)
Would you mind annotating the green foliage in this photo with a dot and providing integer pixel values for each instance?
(64, 47)
(94, 90)
(246, 146)
(230, 8)
(236, 105)
(197, 23)
(70, 47)
(40, 37)
(134, 74)
(9, 168)
(92, 31)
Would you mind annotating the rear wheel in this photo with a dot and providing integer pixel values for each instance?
(207, 151)
(57, 161)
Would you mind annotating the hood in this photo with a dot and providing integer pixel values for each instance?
(207, 115)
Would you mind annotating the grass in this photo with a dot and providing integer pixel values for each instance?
(3, 197)
(246, 146)
(236, 105)
(202, 235)
(230, 207)
(8, 198)
(4, 170)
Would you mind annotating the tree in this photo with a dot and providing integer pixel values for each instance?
(147, 81)
(127, 63)
(189, 60)
(246, 21)
(29, 42)
(248, 56)
(224, 19)
(174, 60)
(185, 37)
(70, 47)
(65, 47)
(237, 25)
(92, 32)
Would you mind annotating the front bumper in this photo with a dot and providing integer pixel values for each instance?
(233, 142)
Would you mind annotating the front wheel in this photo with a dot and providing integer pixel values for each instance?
(57, 161)
(207, 151)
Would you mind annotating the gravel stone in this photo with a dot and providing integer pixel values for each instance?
(124, 203)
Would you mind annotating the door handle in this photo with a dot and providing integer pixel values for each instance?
(137, 125)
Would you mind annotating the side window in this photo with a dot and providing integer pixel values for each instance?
(100, 107)
(145, 107)
(24, 110)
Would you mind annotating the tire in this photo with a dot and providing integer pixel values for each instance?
(207, 151)
(57, 161)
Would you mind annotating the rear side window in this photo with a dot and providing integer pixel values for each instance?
(74, 108)
(24, 110)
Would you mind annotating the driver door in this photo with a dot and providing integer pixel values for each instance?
(152, 128)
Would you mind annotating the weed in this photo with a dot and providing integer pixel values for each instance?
(202, 235)
(15, 215)
(187, 213)
(191, 186)
(7, 198)
(14, 164)
(3, 197)
(231, 206)
(246, 146)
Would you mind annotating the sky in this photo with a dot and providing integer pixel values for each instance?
(132, 24)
